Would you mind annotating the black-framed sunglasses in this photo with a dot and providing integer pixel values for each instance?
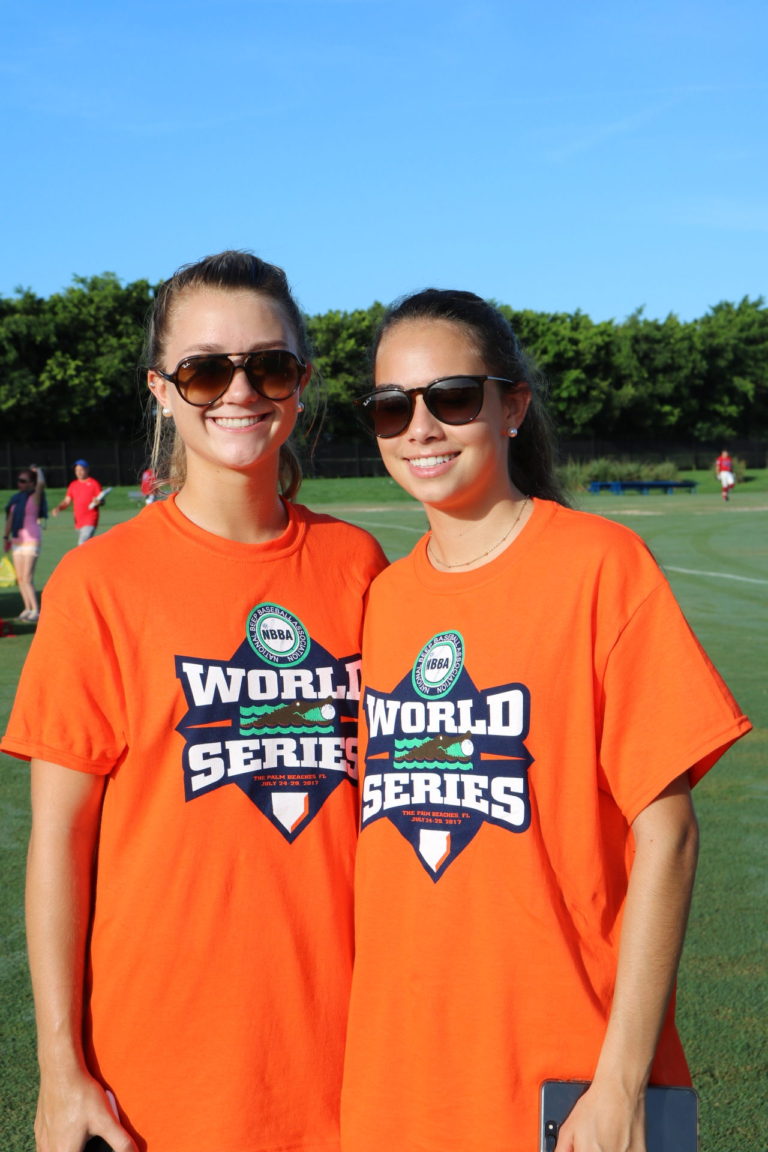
(202, 380)
(452, 400)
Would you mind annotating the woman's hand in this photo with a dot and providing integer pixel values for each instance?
(70, 1111)
(605, 1119)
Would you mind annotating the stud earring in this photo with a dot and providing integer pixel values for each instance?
(300, 406)
(166, 411)
(511, 432)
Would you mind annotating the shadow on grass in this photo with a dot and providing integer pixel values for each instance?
(10, 606)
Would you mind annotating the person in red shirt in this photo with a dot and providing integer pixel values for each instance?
(84, 494)
(535, 710)
(189, 707)
(724, 472)
(148, 485)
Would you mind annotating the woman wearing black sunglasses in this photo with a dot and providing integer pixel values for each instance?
(23, 514)
(535, 710)
(200, 747)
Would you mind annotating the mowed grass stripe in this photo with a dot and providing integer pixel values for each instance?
(718, 575)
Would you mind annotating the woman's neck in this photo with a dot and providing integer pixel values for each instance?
(235, 505)
(467, 542)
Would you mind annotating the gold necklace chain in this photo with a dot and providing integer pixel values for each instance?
(463, 563)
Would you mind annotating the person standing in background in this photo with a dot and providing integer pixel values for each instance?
(84, 494)
(724, 472)
(148, 485)
(23, 534)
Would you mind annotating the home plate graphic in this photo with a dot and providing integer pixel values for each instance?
(277, 721)
(435, 847)
(290, 808)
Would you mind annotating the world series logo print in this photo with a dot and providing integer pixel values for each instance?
(277, 721)
(445, 757)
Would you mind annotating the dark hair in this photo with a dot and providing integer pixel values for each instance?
(229, 271)
(532, 453)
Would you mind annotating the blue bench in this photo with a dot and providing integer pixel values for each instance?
(643, 486)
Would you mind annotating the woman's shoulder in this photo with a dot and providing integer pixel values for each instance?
(589, 550)
(116, 551)
(589, 529)
(334, 531)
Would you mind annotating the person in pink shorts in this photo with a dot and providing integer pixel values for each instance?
(23, 534)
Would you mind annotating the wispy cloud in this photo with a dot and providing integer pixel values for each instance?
(600, 134)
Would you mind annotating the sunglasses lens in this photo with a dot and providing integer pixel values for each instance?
(275, 374)
(387, 411)
(202, 379)
(457, 400)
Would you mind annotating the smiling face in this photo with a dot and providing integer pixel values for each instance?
(459, 469)
(241, 431)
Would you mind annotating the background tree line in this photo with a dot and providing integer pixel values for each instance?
(69, 366)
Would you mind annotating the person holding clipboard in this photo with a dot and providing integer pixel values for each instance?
(86, 495)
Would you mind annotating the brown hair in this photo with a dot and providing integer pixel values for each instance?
(229, 271)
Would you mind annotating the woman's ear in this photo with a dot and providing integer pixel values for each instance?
(158, 387)
(516, 402)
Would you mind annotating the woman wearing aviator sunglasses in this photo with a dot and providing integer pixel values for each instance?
(201, 748)
(534, 711)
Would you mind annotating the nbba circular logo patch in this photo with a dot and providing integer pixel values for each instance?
(438, 665)
(277, 635)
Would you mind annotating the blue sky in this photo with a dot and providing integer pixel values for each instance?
(555, 156)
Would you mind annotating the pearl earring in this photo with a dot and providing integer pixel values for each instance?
(511, 432)
(166, 411)
(300, 406)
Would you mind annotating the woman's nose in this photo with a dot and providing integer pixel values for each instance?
(240, 387)
(423, 424)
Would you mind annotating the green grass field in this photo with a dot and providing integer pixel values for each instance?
(716, 557)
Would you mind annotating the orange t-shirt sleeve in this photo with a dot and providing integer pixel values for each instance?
(667, 710)
(69, 706)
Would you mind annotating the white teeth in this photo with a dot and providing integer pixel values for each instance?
(429, 461)
(236, 421)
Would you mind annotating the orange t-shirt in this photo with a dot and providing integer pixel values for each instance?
(519, 717)
(216, 684)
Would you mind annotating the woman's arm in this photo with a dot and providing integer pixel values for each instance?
(37, 494)
(611, 1114)
(66, 812)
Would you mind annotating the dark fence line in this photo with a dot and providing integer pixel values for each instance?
(686, 454)
(360, 458)
(112, 461)
(121, 462)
